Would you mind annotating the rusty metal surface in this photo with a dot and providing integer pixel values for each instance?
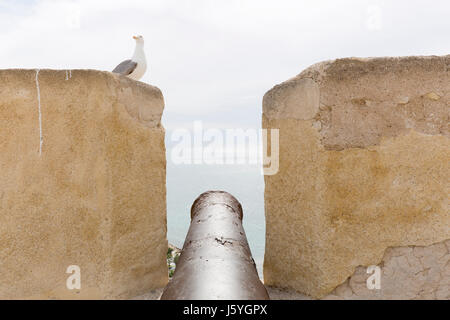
(216, 262)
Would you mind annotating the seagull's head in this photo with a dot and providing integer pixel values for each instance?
(139, 39)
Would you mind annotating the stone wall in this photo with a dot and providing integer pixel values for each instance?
(82, 162)
(364, 167)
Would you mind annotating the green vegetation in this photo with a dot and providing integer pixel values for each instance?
(173, 254)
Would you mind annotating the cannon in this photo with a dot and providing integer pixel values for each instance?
(216, 262)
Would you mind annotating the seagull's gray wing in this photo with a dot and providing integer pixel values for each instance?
(125, 68)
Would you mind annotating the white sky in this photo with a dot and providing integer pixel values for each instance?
(215, 59)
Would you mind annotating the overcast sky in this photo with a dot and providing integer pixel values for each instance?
(214, 59)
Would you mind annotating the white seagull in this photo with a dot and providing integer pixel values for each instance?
(135, 67)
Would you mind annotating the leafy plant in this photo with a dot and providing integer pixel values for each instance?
(172, 260)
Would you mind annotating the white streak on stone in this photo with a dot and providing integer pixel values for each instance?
(41, 137)
(68, 74)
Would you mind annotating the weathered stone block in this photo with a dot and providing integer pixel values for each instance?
(82, 162)
(364, 166)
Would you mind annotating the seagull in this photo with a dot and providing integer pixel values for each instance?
(135, 67)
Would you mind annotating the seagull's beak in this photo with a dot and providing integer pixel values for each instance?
(135, 38)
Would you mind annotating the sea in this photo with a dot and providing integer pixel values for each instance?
(185, 182)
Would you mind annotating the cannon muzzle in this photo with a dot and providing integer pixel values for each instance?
(216, 262)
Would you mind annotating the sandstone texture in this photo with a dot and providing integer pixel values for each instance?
(364, 167)
(82, 159)
(413, 272)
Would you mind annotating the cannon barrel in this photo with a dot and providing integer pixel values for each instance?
(216, 262)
